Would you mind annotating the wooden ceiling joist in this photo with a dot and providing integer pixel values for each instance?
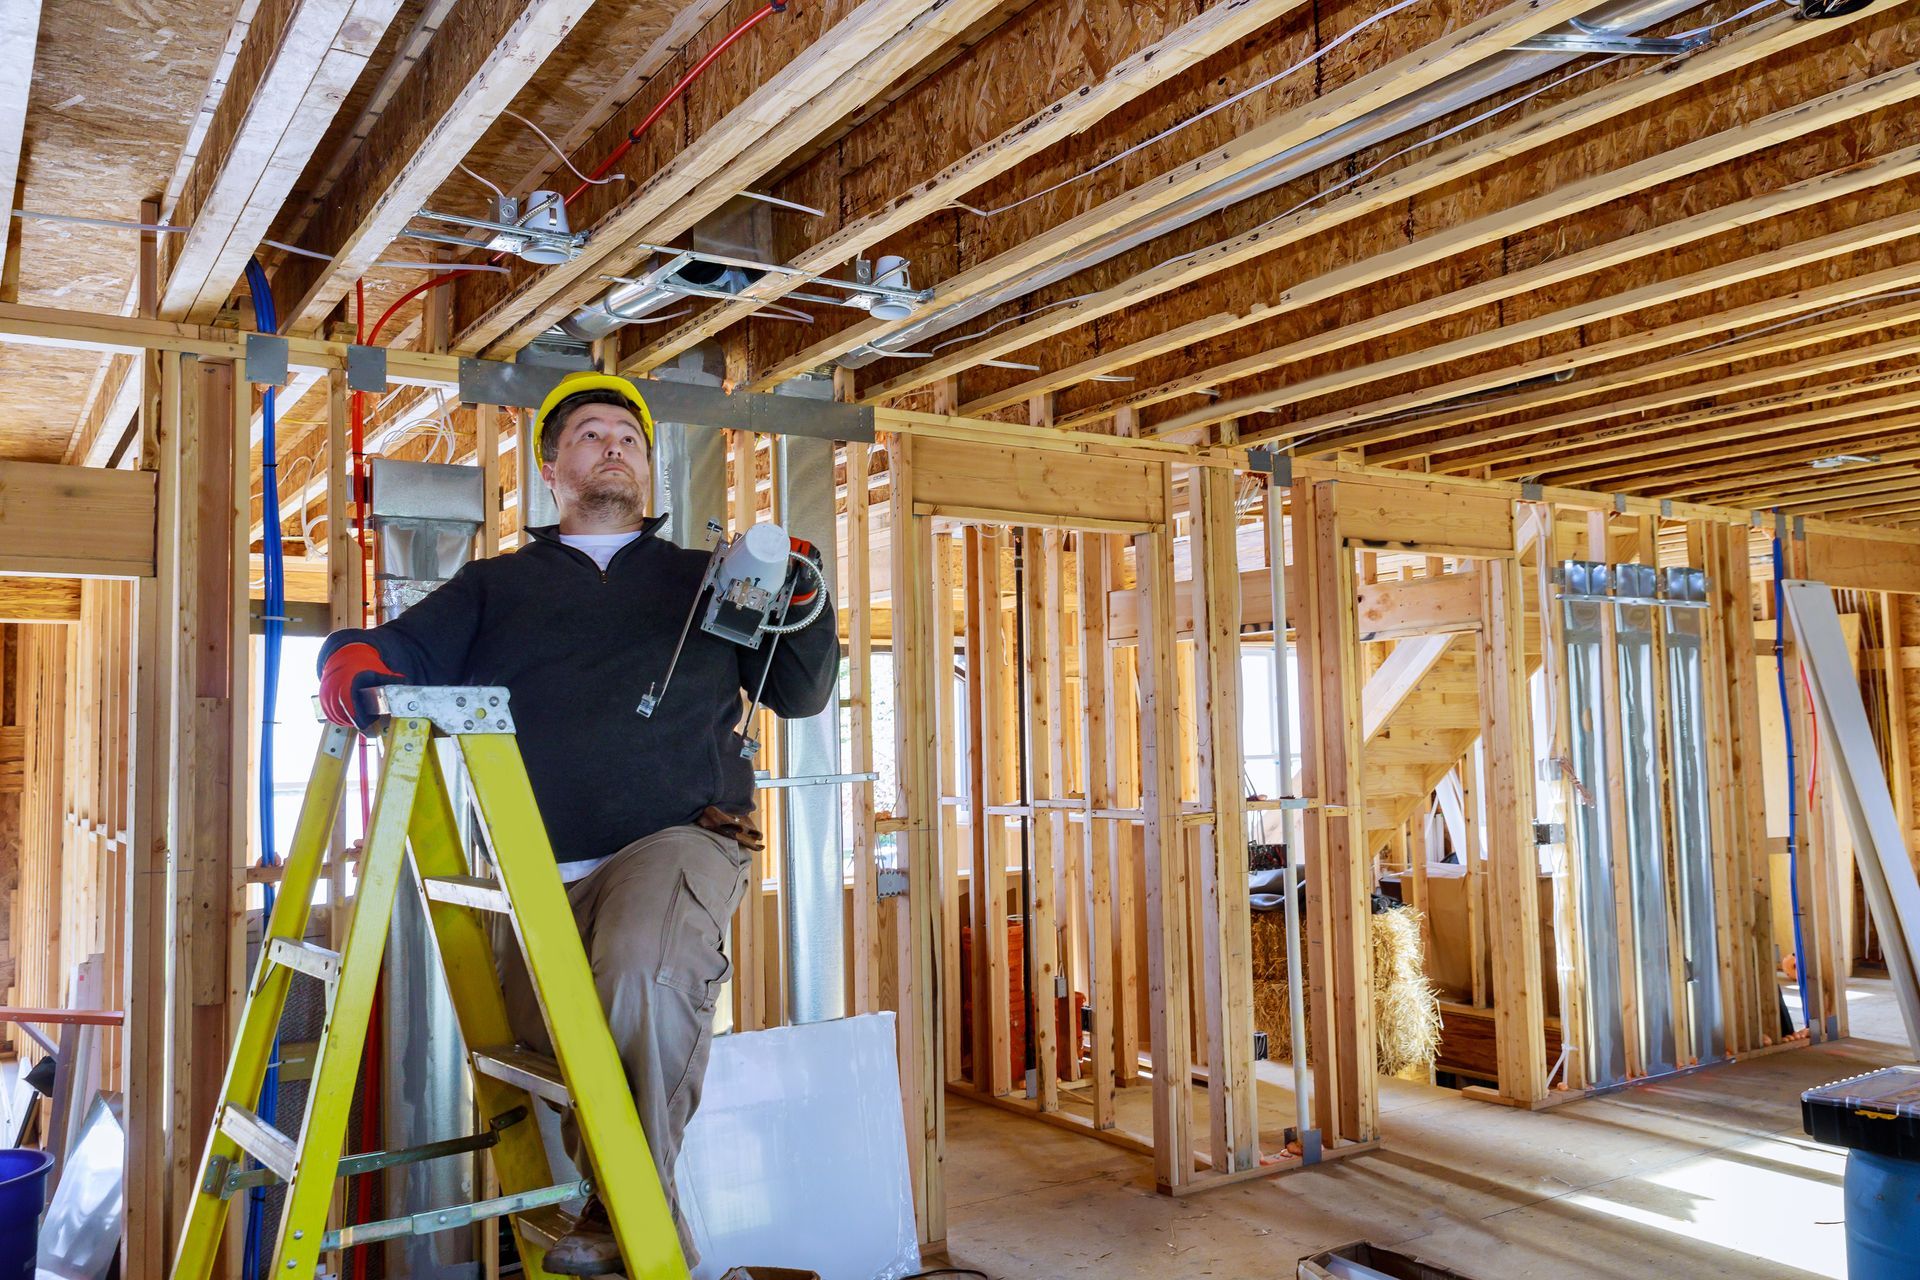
(412, 48)
(483, 54)
(20, 37)
(1695, 425)
(1455, 164)
(1731, 144)
(1026, 127)
(300, 60)
(1641, 460)
(1652, 243)
(1403, 76)
(1903, 480)
(1775, 468)
(1769, 451)
(1717, 452)
(846, 63)
(1756, 347)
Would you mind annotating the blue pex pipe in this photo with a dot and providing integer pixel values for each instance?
(1793, 787)
(267, 320)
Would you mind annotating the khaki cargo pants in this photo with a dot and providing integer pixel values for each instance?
(654, 920)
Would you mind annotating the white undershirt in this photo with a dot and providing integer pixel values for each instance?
(599, 546)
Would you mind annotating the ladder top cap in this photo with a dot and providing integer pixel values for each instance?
(456, 710)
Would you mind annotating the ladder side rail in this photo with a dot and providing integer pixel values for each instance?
(266, 997)
(323, 1129)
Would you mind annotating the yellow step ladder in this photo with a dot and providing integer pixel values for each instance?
(413, 807)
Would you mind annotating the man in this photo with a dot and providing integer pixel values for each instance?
(649, 816)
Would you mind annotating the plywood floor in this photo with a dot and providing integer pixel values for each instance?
(1706, 1175)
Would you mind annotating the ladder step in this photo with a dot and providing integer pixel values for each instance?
(545, 1226)
(259, 1139)
(475, 892)
(316, 962)
(524, 1069)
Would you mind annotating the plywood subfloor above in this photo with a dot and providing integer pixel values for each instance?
(116, 87)
(1704, 1176)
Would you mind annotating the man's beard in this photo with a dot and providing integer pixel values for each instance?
(615, 495)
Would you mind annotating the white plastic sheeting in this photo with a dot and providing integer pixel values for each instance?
(798, 1154)
(81, 1232)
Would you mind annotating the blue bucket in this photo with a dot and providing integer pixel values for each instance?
(1883, 1216)
(23, 1193)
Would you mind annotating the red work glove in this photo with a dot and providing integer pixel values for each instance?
(350, 671)
(806, 585)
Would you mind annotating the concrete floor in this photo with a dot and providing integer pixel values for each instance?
(1702, 1176)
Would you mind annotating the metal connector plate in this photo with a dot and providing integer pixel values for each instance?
(453, 709)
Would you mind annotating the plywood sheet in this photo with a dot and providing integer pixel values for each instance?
(117, 85)
(1863, 564)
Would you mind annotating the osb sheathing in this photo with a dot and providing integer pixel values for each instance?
(616, 36)
(747, 64)
(1828, 150)
(310, 187)
(116, 86)
(943, 246)
(1870, 47)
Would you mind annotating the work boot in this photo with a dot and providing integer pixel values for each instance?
(589, 1249)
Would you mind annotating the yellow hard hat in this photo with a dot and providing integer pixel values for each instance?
(575, 383)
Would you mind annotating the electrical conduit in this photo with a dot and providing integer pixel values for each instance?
(1793, 794)
(273, 612)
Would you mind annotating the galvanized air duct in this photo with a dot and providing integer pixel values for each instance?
(738, 229)
(426, 515)
(813, 869)
(1475, 83)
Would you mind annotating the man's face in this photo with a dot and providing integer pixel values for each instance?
(600, 466)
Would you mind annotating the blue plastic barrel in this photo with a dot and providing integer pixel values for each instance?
(23, 1193)
(1883, 1216)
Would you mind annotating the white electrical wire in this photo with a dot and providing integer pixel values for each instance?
(487, 183)
(297, 250)
(1221, 105)
(403, 265)
(1335, 188)
(306, 529)
(774, 311)
(671, 315)
(598, 182)
(31, 215)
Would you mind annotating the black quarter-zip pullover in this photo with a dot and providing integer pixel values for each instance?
(576, 648)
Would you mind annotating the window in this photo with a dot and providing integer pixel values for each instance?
(296, 743)
(1260, 720)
